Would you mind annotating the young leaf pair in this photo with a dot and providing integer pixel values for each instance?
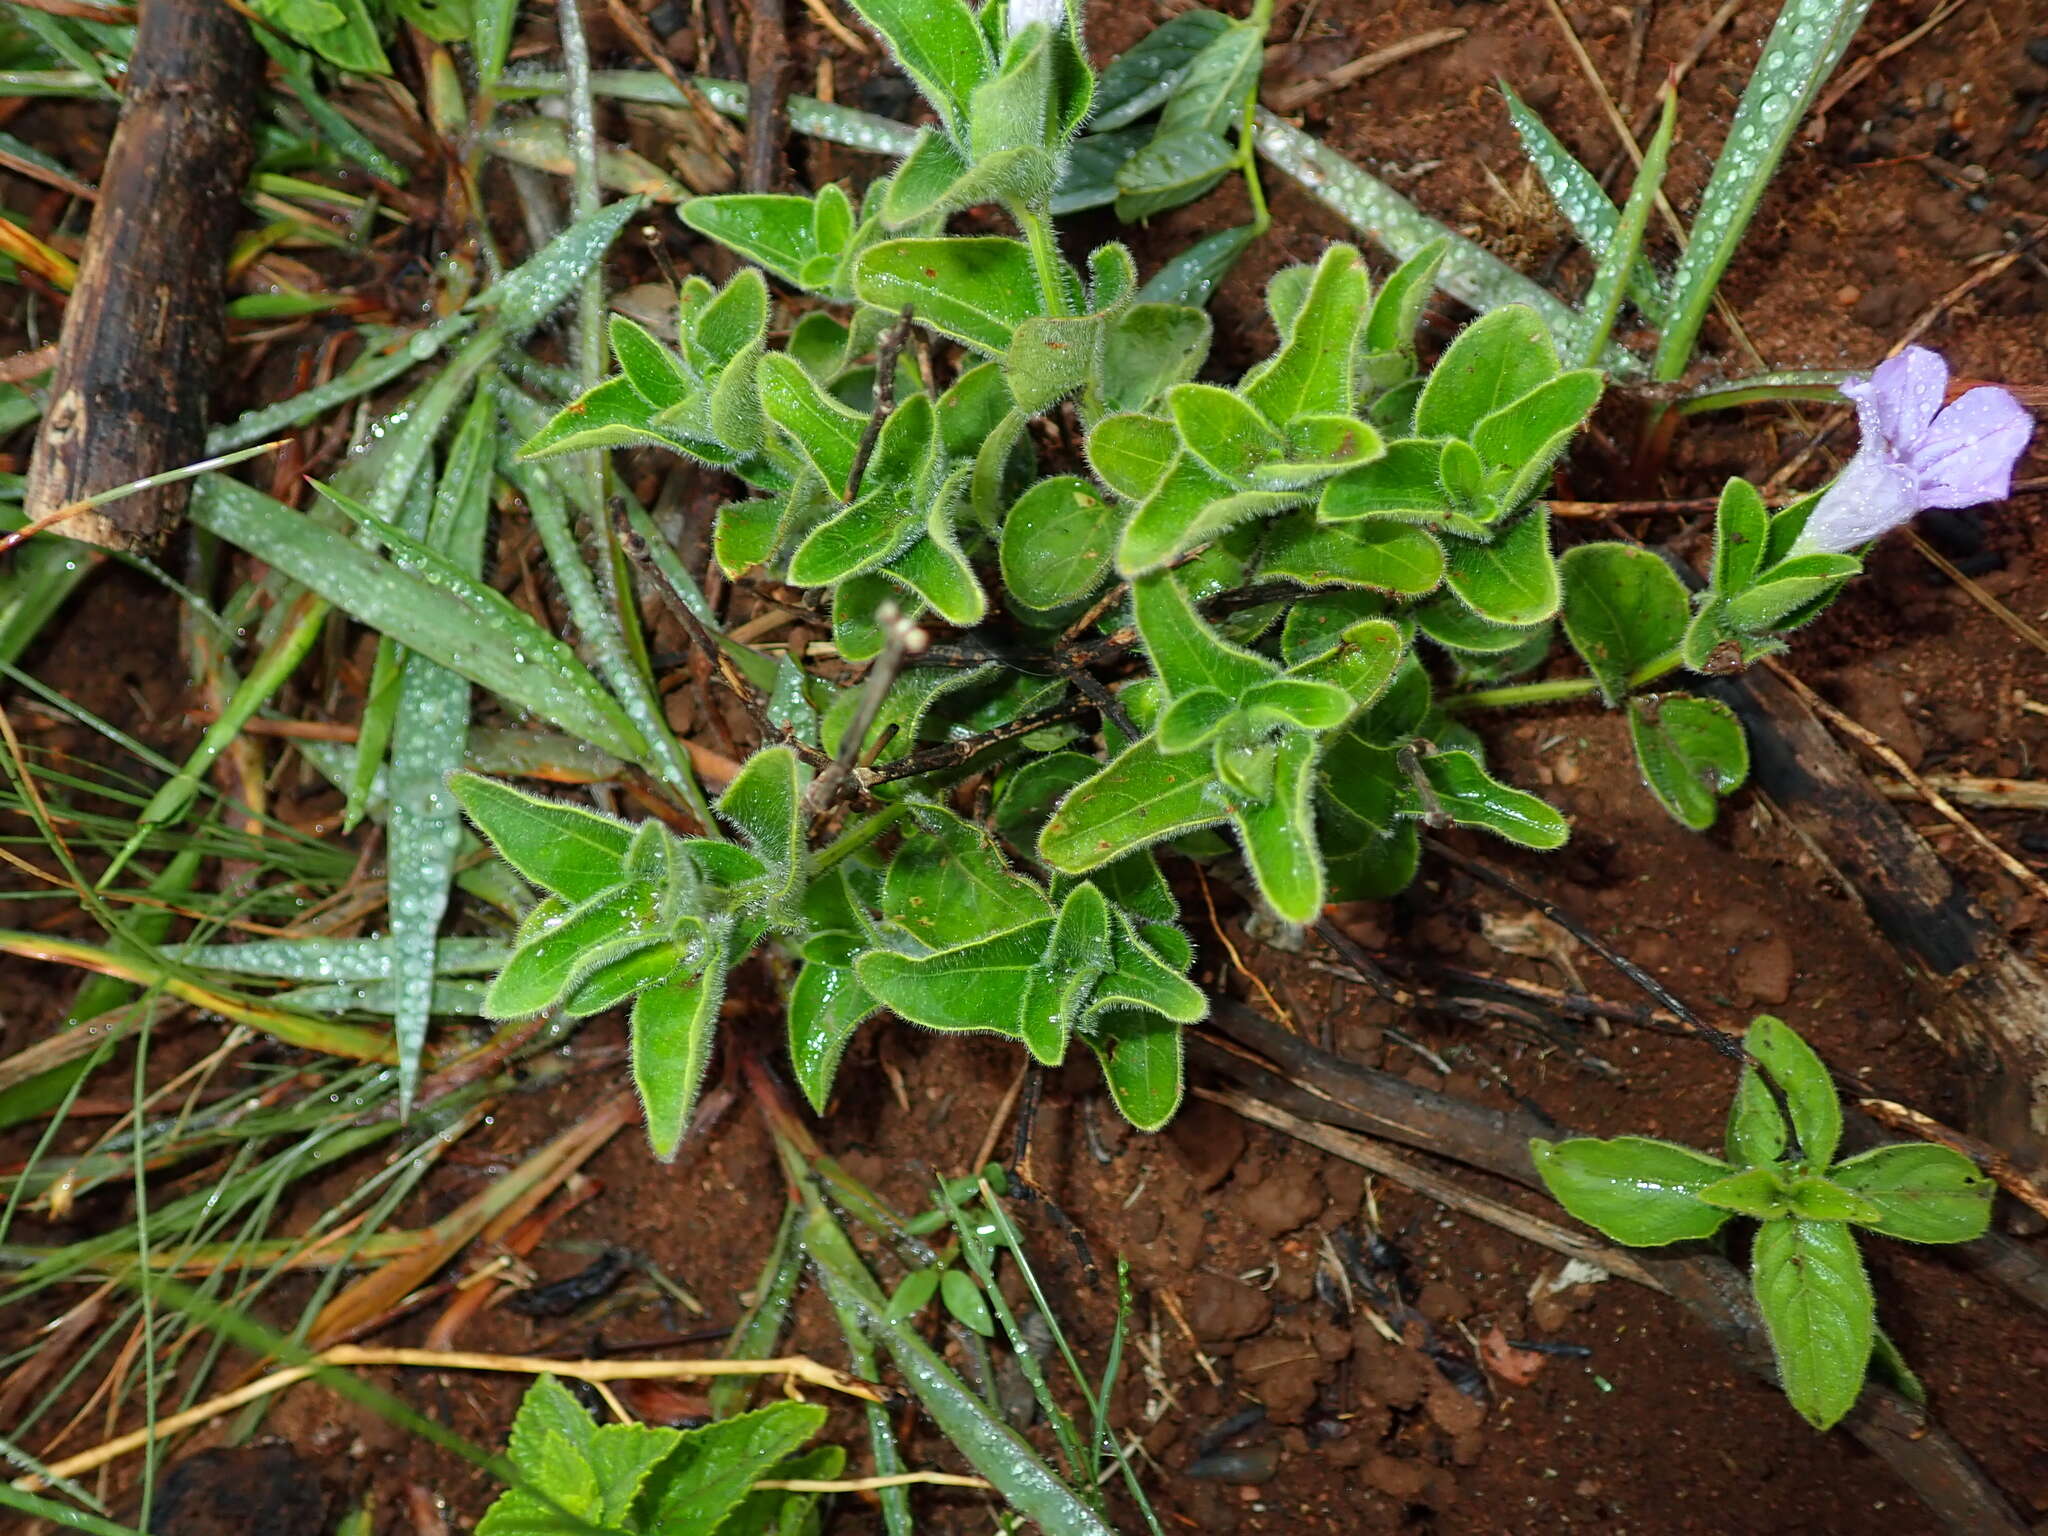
(1780, 1169)
(951, 938)
(641, 914)
(576, 1476)
(1236, 740)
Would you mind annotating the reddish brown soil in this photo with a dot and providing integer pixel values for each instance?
(1923, 169)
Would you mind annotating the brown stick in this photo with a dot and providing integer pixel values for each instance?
(767, 94)
(144, 328)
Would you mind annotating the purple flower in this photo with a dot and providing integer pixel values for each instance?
(1916, 454)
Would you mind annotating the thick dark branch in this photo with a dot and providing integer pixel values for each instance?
(144, 328)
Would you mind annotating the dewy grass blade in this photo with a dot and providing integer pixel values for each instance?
(428, 738)
(1623, 256)
(594, 618)
(387, 354)
(467, 628)
(335, 960)
(807, 115)
(1468, 272)
(1804, 47)
(294, 1029)
(1583, 202)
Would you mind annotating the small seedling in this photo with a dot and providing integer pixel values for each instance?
(577, 1476)
(1784, 1129)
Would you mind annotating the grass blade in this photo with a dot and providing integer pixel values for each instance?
(428, 737)
(1470, 273)
(596, 619)
(428, 606)
(1805, 45)
(1623, 256)
(1583, 202)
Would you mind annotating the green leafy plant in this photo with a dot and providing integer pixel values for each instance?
(1781, 1170)
(1241, 582)
(577, 1476)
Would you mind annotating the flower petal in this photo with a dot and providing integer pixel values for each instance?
(1872, 495)
(1968, 455)
(1905, 392)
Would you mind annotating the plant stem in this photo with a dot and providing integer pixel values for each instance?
(1045, 256)
(1247, 148)
(1556, 689)
(857, 837)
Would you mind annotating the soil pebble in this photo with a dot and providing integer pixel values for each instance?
(1289, 1196)
(1763, 971)
(1219, 1307)
(1388, 1373)
(1284, 1374)
(1209, 1139)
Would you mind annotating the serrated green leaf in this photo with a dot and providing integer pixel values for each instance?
(1816, 1300)
(1513, 578)
(1131, 453)
(1279, 836)
(1494, 361)
(1623, 609)
(1756, 1133)
(1922, 1193)
(1775, 1047)
(1691, 750)
(1139, 798)
(975, 289)
(673, 1027)
(1763, 1193)
(1813, 1198)
(1637, 1191)
(713, 1467)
